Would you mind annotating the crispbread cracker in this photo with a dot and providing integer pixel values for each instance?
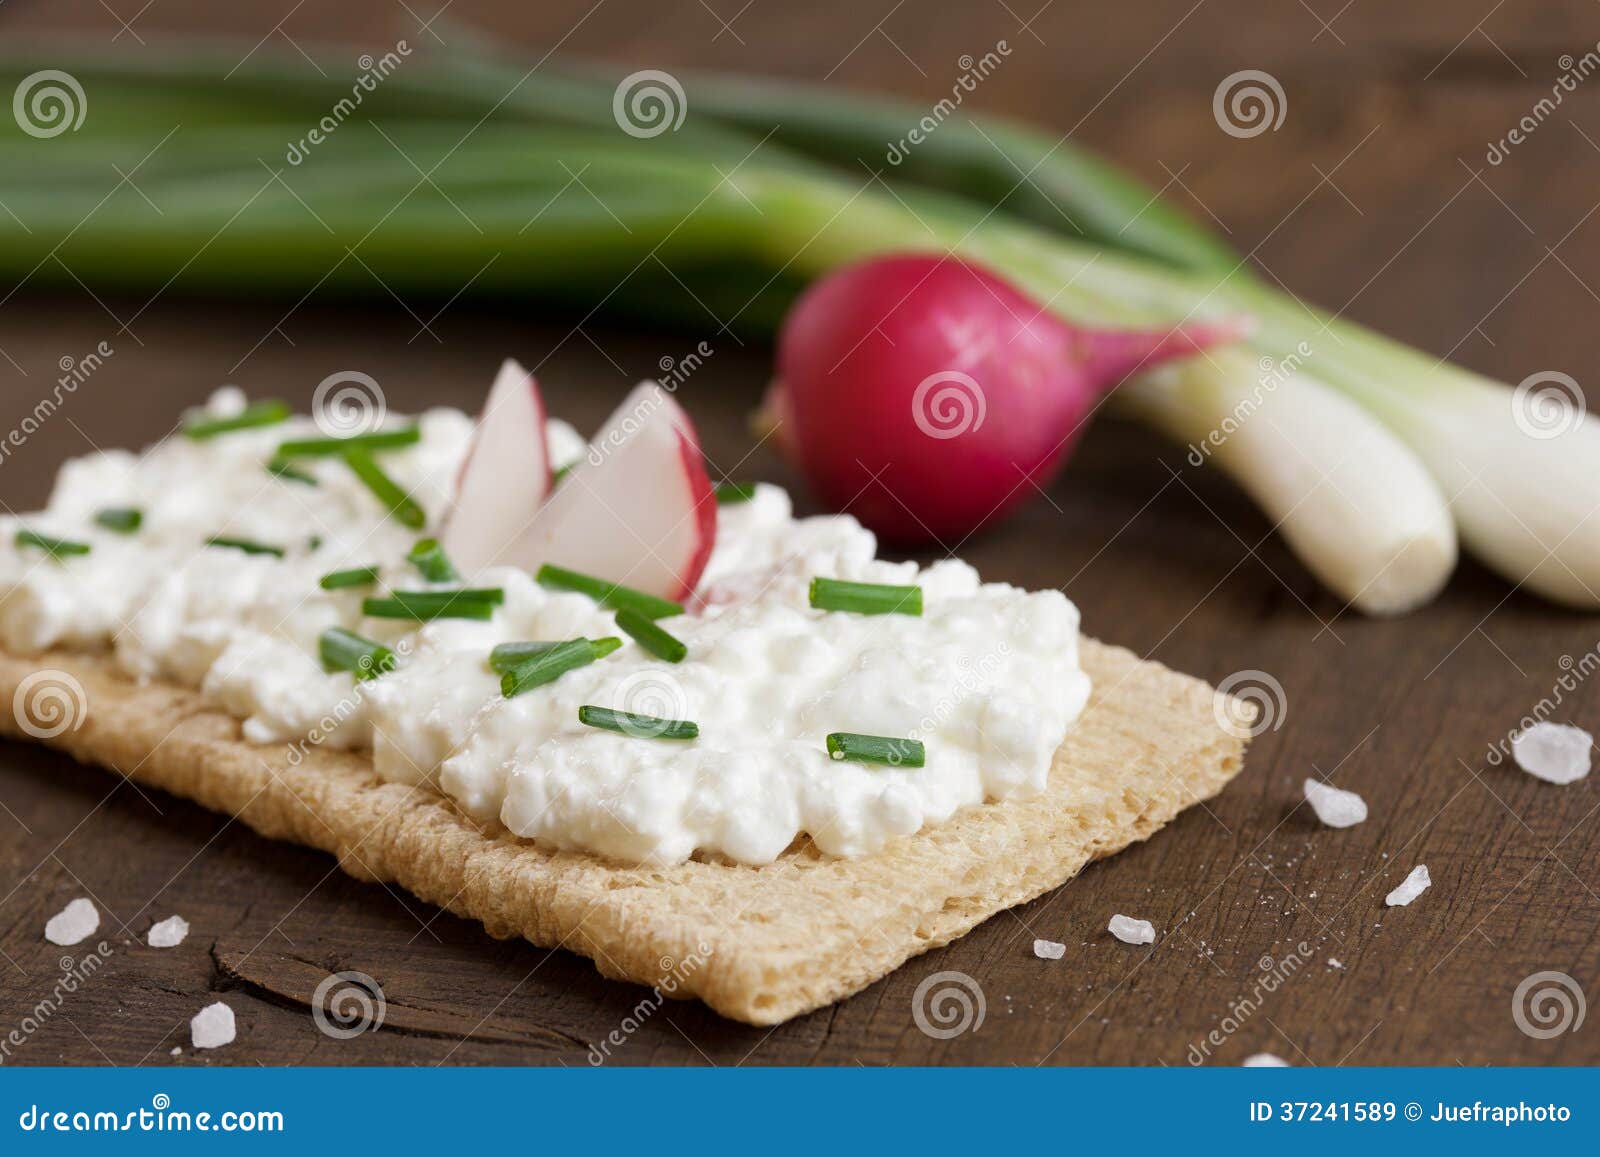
(759, 945)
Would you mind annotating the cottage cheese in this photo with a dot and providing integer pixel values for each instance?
(987, 678)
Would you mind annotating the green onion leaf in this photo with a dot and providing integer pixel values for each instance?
(357, 576)
(289, 472)
(268, 413)
(729, 493)
(424, 606)
(379, 440)
(386, 489)
(651, 637)
(429, 558)
(55, 547)
(249, 546)
(122, 519)
(638, 726)
(865, 598)
(509, 656)
(876, 749)
(547, 667)
(607, 594)
(342, 650)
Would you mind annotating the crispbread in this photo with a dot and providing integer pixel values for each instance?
(759, 945)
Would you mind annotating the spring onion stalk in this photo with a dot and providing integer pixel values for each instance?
(608, 594)
(865, 598)
(509, 656)
(122, 519)
(342, 650)
(645, 632)
(547, 667)
(424, 606)
(638, 726)
(56, 548)
(400, 505)
(289, 472)
(248, 545)
(356, 576)
(431, 562)
(378, 440)
(848, 745)
(257, 414)
(733, 493)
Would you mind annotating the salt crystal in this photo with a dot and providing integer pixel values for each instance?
(1553, 752)
(1410, 888)
(73, 924)
(1049, 950)
(1334, 806)
(1131, 931)
(168, 933)
(1265, 1061)
(1335, 962)
(212, 1027)
(177, 1051)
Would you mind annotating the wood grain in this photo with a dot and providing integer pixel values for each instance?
(1375, 197)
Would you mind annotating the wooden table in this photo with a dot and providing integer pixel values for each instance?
(1375, 196)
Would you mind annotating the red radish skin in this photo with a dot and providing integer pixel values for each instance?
(927, 397)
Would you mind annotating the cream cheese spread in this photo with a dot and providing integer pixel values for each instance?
(987, 678)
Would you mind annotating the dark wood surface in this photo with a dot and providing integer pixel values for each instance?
(1375, 197)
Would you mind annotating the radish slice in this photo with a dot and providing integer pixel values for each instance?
(639, 510)
(506, 475)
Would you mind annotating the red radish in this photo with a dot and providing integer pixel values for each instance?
(639, 510)
(506, 474)
(926, 396)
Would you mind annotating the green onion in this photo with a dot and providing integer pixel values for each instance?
(638, 726)
(268, 413)
(508, 656)
(386, 489)
(427, 605)
(249, 546)
(865, 598)
(876, 749)
(731, 493)
(55, 547)
(651, 637)
(560, 475)
(343, 650)
(547, 667)
(607, 594)
(356, 576)
(283, 468)
(429, 559)
(122, 519)
(378, 440)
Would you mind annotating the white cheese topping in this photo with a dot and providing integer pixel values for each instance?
(987, 678)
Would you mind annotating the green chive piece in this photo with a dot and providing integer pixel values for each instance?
(560, 475)
(865, 598)
(122, 519)
(55, 547)
(342, 650)
(356, 576)
(424, 606)
(283, 468)
(638, 726)
(379, 440)
(729, 493)
(651, 637)
(547, 667)
(607, 594)
(429, 559)
(388, 491)
(509, 656)
(876, 749)
(268, 413)
(249, 546)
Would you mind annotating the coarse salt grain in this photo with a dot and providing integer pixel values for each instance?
(212, 1027)
(168, 933)
(1049, 950)
(1334, 806)
(1131, 931)
(1265, 1061)
(73, 924)
(1553, 752)
(1410, 888)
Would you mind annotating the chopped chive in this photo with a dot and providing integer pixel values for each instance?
(638, 726)
(314, 542)
(122, 519)
(607, 594)
(865, 598)
(508, 656)
(560, 475)
(342, 650)
(729, 493)
(249, 546)
(424, 606)
(651, 637)
(386, 489)
(547, 667)
(429, 558)
(289, 472)
(379, 440)
(356, 576)
(268, 413)
(55, 547)
(876, 749)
